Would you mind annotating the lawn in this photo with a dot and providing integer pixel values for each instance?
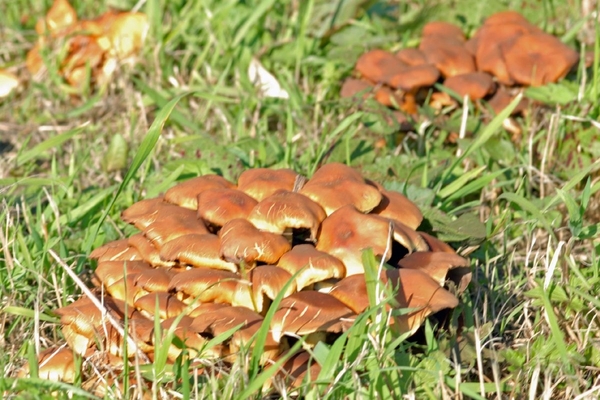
(524, 208)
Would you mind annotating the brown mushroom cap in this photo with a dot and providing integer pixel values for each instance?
(336, 185)
(352, 87)
(108, 272)
(115, 251)
(395, 205)
(347, 232)
(382, 94)
(448, 55)
(379, 65)
(209, 285)
(242, 242)
(298, 367)
(181, 221)
(538, 58)
(264, 282)
(316, 266)
(502, 98)
(434, 264)
(476, 85)
(505, 17)
(306, 312)
(411, 57)
(201, 251)
(443, 29)
(410, 79)
(259, 183)
(185, 194)
(54, 365)
(168, 305)
(145, 212)
(219, 206)
(284, 209)
(149, 252)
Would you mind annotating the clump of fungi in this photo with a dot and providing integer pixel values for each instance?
(506, 54)
(220, 253)
(88, 50)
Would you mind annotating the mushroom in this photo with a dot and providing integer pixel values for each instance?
(259, 183)
(336, 185)
(347, 232)
(185, 194)
(299, 367)
(310, 313)
(443, 30)
(287, 210)
(410, 79)
(447, 54)
(117, 250)
(476, 85)
(411, 56)
(54, 364)
(434, 264)
(200, 251)
(535, 59)
(145, 212)
(381, 94)
(264, 284)
(208, 285)
(218, 206)
(396, 206)
(242, 242)
(149, 252)
(180, 222)
(378, 65)
(108, 272)
(311, 265)
(168, 305)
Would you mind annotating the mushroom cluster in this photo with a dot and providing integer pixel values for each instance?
(220, 254)
(505, 53)
(89, 50)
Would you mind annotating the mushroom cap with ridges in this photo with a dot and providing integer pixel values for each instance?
(284, 209)
(314, 265)
(263, 281)
(209, 285)
(148, 250)
(185, 194)
(336, 185)
(307, 312)
(200, 251)
(408, 237)
(182, 222)
(242, 242)
(536, 59)
(115, 251)
(394, 205)
(434, 264)
(476, 85)
(108, 272)
(259, 183)
(219, 206)
(168, 305)
(144, 212)
(347, 232)
(153, 280)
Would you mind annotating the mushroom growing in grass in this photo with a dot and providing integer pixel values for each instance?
(231, 204)
(261, 286)
(186, 193)
(259, 183)
(200, 251)
(311, 265)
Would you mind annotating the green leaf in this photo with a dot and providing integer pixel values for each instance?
(116, 156)
(54, 141)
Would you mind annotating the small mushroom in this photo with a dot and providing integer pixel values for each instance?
(314, 265)
(108, 272)
(396, 206)
(208, 285)
(264, 284)
(287, 210)
(378, 65)
(476, 85)
(434, 264)
(259, 183)
(336, 185)
(185, 194)
(242, 242)
(181, 221)
(54, 364)
(218, 206)
(444, 30)
(306, 313)
(168, 305)
(411, 56)
(149, 252)
(200, 251)
(117, 250)
(448, 55)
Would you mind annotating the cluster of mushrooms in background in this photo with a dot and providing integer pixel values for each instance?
(505, 55)
(87, 51)
(220, 253)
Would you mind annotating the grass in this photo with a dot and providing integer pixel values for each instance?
(527, 212)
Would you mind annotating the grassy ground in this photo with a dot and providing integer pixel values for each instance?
(526, 211)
